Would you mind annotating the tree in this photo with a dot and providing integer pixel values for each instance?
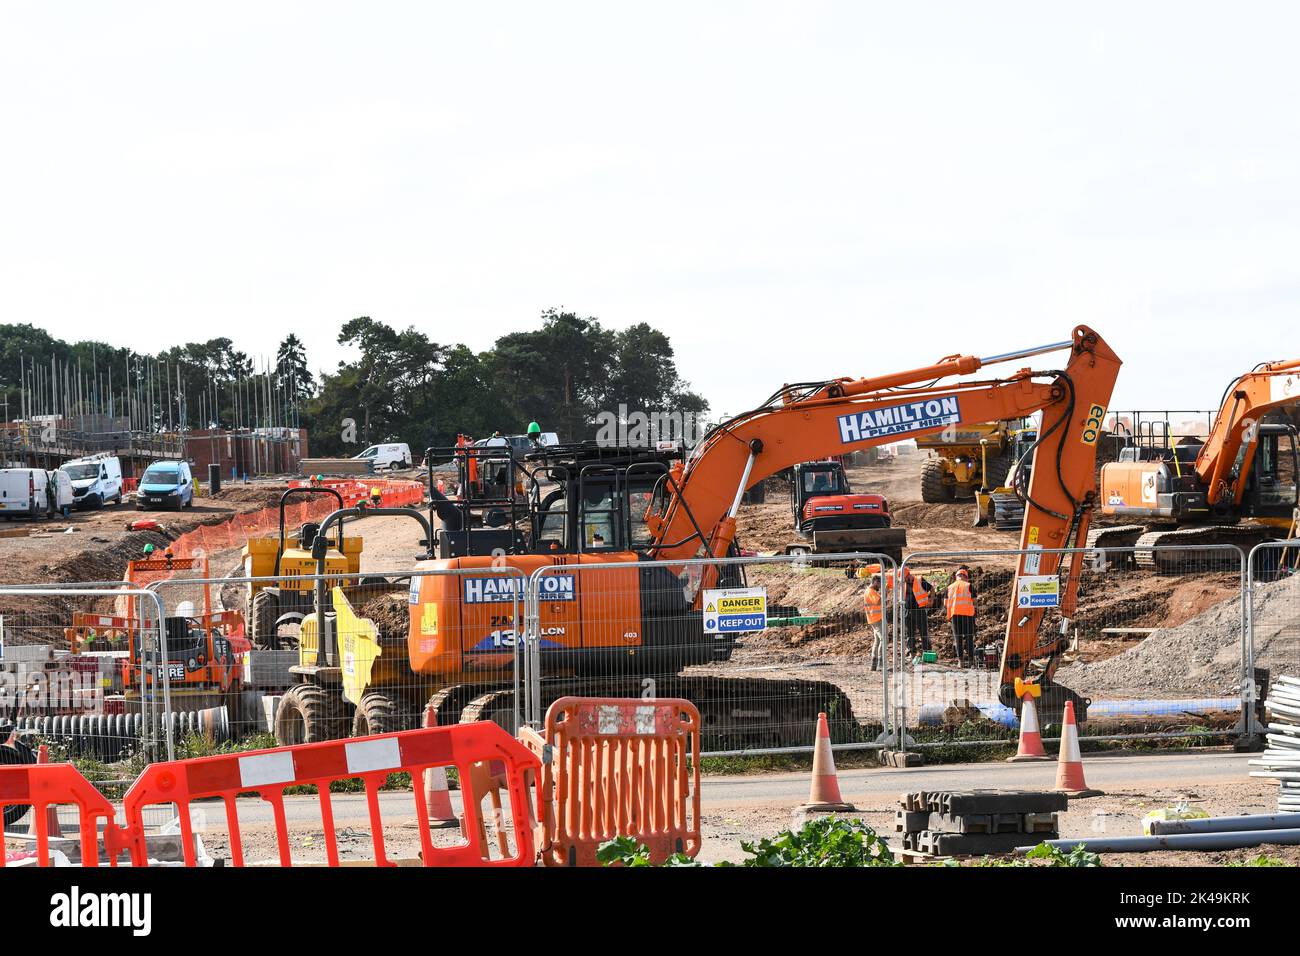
(292, 370)
(558, 374)
(398, 385)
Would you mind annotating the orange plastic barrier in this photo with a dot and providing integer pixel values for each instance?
(47, 785)
(487, 759)
(617, 767)
(266, 773)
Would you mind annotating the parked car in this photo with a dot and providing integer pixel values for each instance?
(164, 485)
(392, 455)
(96, 480)
(34, 493)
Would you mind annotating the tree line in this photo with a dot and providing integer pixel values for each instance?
(396, 385)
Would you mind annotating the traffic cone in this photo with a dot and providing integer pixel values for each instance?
(437, 796)
(1031, 739)
(824, 794)
(1069, 766)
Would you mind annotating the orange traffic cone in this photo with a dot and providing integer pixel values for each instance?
(1031, 739)
(437, 796)
(1069, 767)
(824, 794)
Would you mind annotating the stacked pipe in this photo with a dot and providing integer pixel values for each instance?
(1281, 760)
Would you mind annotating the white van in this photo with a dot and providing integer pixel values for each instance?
(19, 497)
(392, 456)
(96, 480)
(60, 493)
(33, 493)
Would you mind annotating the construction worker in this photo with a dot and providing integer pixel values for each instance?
(959, 605)
(873, 601)
(535, 434)
(919, 592)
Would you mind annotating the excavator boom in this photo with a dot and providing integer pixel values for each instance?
(810, 421)
(1236, 427)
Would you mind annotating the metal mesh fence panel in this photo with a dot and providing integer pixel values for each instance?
(399, 649)
(65, 663)
(761, 646)
(1153, 647)
(1273, 607)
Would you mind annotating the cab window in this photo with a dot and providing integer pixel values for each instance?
(638, 504)
(598, 519)
(553, 525)
(821, 483)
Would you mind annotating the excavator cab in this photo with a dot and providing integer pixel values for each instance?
(1272, 494)
(591, 499)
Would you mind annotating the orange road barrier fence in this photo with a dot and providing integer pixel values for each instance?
(488, 762)
(616, 767)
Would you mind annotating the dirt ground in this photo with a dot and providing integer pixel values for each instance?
(95, 546)
(1116, 813)
(727, 824)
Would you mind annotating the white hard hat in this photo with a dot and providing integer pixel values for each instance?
(185, 609)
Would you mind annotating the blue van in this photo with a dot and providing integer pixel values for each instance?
(165, 484)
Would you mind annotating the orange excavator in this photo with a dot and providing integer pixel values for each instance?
(612, 527)
(1238, 487)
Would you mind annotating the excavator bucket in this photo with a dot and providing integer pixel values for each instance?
(1051, 704)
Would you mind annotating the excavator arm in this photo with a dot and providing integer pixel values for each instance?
(814, 420)
(1267, 387)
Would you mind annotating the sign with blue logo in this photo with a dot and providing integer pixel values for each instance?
(1038, 590)
(900, 419)
(734, 610)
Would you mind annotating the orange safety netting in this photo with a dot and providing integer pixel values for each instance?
(207, 539)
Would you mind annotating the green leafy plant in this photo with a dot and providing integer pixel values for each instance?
(1262, 860)
(824, 841)
(1044, 855)
(625, 851)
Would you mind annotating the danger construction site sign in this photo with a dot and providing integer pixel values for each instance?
(734, 610)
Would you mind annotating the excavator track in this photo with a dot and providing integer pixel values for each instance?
(736, 713)
(1117, 536)
(1183, 549)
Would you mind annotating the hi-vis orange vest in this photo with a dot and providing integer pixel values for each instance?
(919, 592)
(872, 601)
(959, 603)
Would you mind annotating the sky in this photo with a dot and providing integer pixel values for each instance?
(792, 191)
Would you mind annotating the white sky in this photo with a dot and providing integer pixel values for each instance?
(791, 191)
